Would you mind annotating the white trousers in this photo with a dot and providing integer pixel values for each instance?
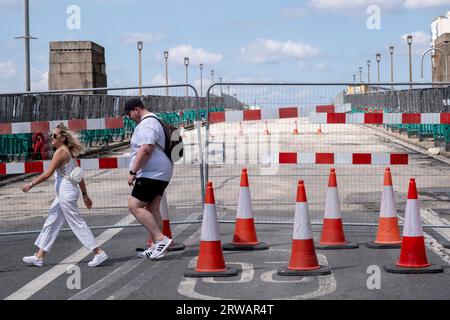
(66, 208)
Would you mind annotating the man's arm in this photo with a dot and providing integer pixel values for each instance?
(142, 156)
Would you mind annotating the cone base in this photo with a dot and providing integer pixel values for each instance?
(348, 245)
(323, 270)
(392, 268)
(374, 245)
(228, 272)
(172, 247)
(244, 247)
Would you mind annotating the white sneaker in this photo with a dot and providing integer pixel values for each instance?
(34, 260)
(147, 253)
(98, 259)
(160, 247)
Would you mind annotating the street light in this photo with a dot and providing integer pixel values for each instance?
(360, 74)
(201, 79)
(186, 64)
(140, 45)
(354, 78)
(409, 40)
(166, 56)
(391, 51)
(378, 59)
(368, 71)
(444, 56)
(220, 81)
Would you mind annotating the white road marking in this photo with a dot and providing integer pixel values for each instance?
(124, 269)
(44, 279)
(246, 275)
(268, 277)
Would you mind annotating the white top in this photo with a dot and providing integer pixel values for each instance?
(158, 166)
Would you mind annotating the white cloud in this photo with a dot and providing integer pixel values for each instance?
(196, 56)
(352, 6)
(133, 38)
(420, 38)
(7, 70)
(41, 82)
(159, 80)
(267, 50)
(415, 4)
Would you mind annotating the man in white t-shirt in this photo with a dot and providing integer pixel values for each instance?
(150, 173)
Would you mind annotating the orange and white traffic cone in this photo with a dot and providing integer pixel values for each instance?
(244, 233)
(210, 261)
(303, 260)
(266, 130)
(333, 231)
(295, 132)
(182, 133)
(163, 209)
(319, 130)
(388, 235)
(413, 258)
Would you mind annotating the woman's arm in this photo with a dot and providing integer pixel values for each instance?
(86, 199)
(57, 159)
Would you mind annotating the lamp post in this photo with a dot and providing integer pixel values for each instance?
(409, 40)
(443, 55)
(360, 74)
(368, 71)
(186, 64)
(140, 45)
(166, 56)
(354, 78)
(220, 81)
(378, 59)
(391, 51)
(201, 79)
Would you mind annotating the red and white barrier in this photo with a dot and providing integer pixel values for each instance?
(329, 114)
(343, 158)
(379, 118)
(48, 126)
(281, 158)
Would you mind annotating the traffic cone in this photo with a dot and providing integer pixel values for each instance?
(241, 131)
(295, 132)
(210, 262)
(332, 231)
(303, 260)
(319, 130)
(244, 233)
(182, 133)
(413, 258)
(388, 235)
(266, 130)
(163, 209)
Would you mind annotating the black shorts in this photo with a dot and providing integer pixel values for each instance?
(146, 190)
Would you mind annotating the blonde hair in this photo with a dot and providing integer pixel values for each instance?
(71, 141)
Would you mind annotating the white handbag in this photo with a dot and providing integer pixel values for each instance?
(76, 175)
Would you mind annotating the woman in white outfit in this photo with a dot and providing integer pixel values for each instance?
(64, 207)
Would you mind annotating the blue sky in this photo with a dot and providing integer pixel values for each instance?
(246, 40)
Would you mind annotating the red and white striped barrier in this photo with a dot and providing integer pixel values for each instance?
(329, 115)
(379, 118)
(74, 125)
(281, 158)
(343, 158)
(41, 166)
(273, 113)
